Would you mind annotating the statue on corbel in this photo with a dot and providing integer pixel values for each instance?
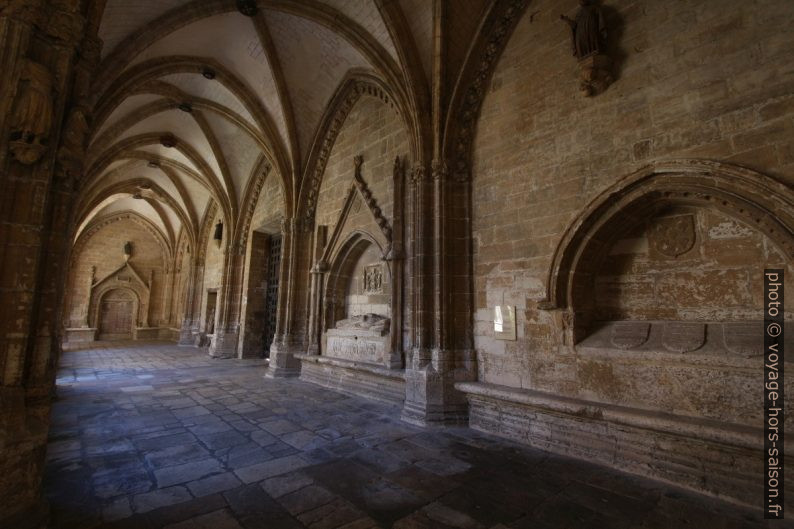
(588, 38)
(71, 153)
(31, 121)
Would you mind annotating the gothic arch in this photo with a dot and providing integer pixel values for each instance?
(758, 200)
(342, 103)
(97, 224)
(340, 267)
(471, 87)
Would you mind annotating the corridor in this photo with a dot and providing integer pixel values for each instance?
(153, 435)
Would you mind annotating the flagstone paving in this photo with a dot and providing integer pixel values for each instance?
(153, 435)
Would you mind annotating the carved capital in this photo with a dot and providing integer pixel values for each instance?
(25, 11)
(66, 24)
(417, 174)
(439, 170)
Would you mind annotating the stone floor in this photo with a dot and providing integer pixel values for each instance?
(153, 435)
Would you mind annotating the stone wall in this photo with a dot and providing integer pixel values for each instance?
(718, 278)
(543, 151)
(700, 80)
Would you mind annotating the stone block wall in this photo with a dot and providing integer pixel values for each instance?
(719, 277)
(688, 86)
(702, 80)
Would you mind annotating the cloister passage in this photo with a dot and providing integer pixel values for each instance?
(150, 435)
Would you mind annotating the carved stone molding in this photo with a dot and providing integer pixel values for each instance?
(369, 200)
(252, 198)
(417, 174)
(758, 200)
(207, 224)
(439, 170)
(334, 119)
(471, 90)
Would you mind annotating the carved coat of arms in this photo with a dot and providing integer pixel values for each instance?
(673, 236)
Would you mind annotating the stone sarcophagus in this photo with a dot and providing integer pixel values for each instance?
(362, 338)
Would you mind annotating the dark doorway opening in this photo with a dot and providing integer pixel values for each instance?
(271, 293)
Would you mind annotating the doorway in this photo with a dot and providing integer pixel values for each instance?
(271, 292)
(115, 315)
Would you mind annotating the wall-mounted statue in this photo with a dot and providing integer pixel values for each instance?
(32, 115)
(71, 153)
(588, 39)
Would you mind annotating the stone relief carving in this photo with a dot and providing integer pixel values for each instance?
(32, 119)
(673, 236)
(588, 37)
(373, 279)
(744, 339)
(366, 322)
(630, 334)
(683, 337)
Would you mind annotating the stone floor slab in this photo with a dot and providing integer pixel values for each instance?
(147, 436)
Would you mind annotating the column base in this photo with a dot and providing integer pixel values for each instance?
(35, 517)
(283, 363)
(186, 338)
(224, 344)
(430, 396)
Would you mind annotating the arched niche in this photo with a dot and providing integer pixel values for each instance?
(672, 213)
(358, 282)
(124, 279)
(355, 283)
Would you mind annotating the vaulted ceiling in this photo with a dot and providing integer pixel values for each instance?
(195, 100)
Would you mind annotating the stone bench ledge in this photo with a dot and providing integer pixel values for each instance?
(398, 374)
(668, 423)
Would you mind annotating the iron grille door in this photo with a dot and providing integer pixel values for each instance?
(271, 295)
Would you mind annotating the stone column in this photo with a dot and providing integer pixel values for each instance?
(169, 277)
(190, 332)
(420, 374)
(46, 64)
(316, 292)
(436, 364)
(287, 341)
(396, 258)
(227, 330)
